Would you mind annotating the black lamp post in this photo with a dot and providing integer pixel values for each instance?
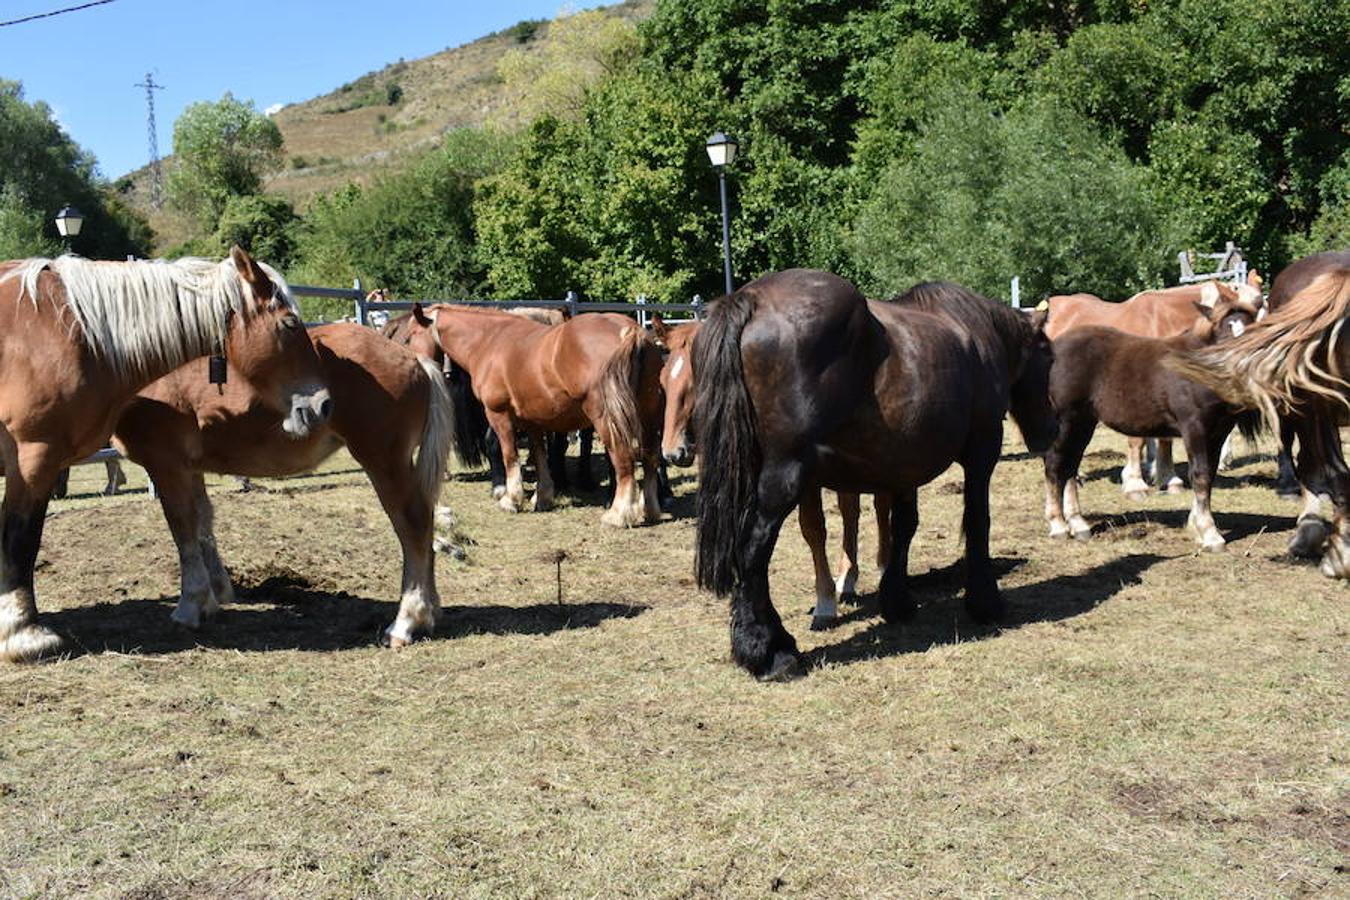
(722, 152)
(69, 221)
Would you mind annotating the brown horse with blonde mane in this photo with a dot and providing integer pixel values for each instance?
(79, 339)
(594, 369)
(387, 403)
(1153, 314)
(1293, 365)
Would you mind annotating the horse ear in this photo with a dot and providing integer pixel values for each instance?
(1040, 318)
(659, 328)
(1209, 294)
(420, 316)
(251, 272)
(1254, 279)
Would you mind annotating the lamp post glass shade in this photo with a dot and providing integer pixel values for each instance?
(69, 221)
(721, 149)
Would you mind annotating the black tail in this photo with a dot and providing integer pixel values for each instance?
(729, 451)
(1251, 423)
(471, 425)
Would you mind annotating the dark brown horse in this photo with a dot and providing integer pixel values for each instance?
(596, 369)
(387, 403)
(802, 383)
(1293, 365)
(79, 339)
(1105, 375)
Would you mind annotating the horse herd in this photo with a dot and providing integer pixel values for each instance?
(793, 384)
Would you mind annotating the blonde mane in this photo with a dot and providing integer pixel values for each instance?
(1292, 354)
(146, 316)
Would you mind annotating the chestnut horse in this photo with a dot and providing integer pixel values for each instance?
(387, 403)
(1102, 374)
(1156, 314)
(597, 369)
(678, 447)
(801, 383)
(1292, 365)
(79, 339)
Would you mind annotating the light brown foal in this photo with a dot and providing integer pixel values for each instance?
(387, 403)
(78, 339)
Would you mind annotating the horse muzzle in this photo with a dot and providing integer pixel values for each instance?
(308, 411)
(681, 456)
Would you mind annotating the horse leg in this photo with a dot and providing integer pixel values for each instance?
(1336, 477)
(116, 477)
(1226, 454)
(412, 514)
(1312, 530)
(811, 520)
(893, 593)
(28, 487)
(222, 588)
(1062, 460)
(759, 642)
(543, 466)
(850, 510)
(513, 496)
(984, 602)
(1132, 482)
(496, 467)
(1286, 483)
(585, 440)
(62, 486)
(881, 505)
(1165, 474)
(1202, 446)
(557, 460)
(652, 469)
(626, 511)
(178, 499)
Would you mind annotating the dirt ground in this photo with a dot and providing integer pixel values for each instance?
(1150, 720)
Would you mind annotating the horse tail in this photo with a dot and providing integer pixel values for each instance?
(728, 445)
(619, 385)
(438, 433)
(1250, 424)
(1288, 355)
(471, 424)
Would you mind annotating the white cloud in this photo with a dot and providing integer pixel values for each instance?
(273, 109)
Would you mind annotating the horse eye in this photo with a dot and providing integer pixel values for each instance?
(291, 321)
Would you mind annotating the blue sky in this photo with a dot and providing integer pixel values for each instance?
(85, 64)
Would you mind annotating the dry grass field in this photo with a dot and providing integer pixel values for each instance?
(1149, 720)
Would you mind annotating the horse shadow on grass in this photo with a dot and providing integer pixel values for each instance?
(286, 612)
(1234, 526)
(941, 618)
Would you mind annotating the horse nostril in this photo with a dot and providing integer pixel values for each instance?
(325, 409)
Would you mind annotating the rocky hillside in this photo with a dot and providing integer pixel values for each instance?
(382, 118)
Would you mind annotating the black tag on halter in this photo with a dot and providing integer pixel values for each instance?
(216, 369)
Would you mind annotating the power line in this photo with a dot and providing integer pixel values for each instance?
(55, 12)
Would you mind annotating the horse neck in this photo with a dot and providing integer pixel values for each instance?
(471, 334)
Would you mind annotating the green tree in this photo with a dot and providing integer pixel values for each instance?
(221, 150)
(263, 224)
(1035, 193)
(42, 170)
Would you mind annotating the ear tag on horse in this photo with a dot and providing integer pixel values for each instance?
(216, 369)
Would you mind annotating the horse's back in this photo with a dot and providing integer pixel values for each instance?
(1067, 311)
(1297, 276)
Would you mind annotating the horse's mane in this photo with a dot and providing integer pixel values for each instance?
(994, 326)
(1289, 356)
(397, 328)
(149, 315)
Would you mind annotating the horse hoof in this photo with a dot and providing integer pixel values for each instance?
(1080, 529)
(191, 619)
(1309, 537)
(543, 505)
(894, 612)
(31, 644)
(498, 491)
(1176, 486)
(1214, 545)
(987, 610)
(1059, 531)
(1136, 496)
(784, 667)
(823, 623)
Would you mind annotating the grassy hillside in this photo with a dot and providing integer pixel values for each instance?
(355, 132)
